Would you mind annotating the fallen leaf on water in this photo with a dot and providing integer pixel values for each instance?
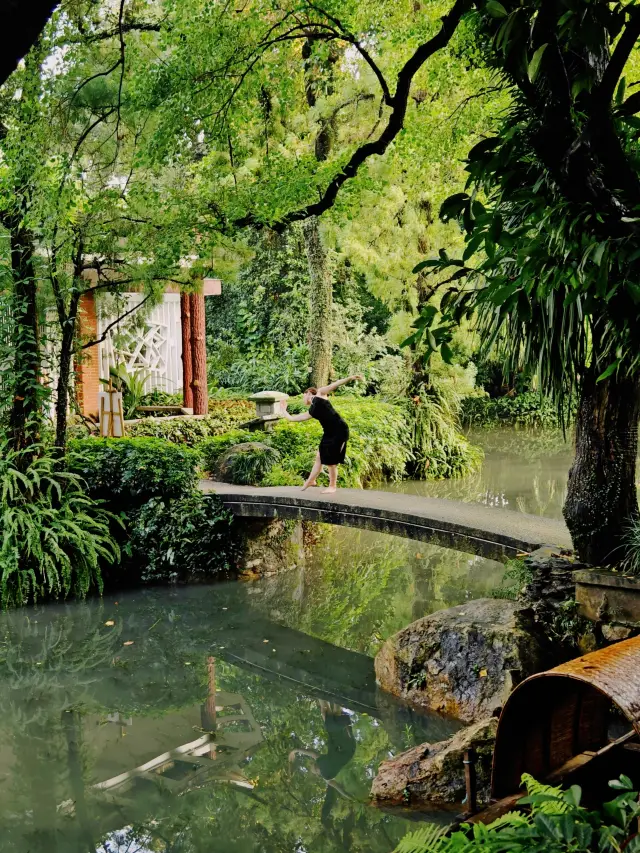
(110, 623)
(265, 641)
(483, 673)
(273, 650)
(128, 643)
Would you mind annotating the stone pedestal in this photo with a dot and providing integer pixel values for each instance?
(269, 404)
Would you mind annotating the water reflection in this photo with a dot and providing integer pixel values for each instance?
(151, 723)
(523, 470)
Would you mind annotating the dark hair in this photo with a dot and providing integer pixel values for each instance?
(313, 391)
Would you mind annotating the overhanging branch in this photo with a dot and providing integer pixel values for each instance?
(394, 125)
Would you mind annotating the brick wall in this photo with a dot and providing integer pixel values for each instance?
(88, 365)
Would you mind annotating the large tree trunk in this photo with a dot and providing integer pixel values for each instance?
(187, 361)
(64, 372)
(199, 355)
(321, 304)
(25, 418)
(601, 495)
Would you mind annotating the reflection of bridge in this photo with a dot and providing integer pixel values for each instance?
(465, 526)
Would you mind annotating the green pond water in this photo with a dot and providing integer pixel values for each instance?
(237, 716)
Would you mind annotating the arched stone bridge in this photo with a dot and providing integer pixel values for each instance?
(471, 527)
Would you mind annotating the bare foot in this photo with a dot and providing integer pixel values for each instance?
(307, 486)
(330, 491)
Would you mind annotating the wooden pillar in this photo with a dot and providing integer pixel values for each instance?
(187, 360)
(199, 355)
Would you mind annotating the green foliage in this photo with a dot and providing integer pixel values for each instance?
(185, 539)
(213, 448)
(556, 822)
(379, 444)
(128, 472)
(265, 369)
(191, 431)
(439, 449)
(550, 272)
(630, 562)
(54, 536)
(248, 464)
(529, 409)
(130, 384)
(517, 574)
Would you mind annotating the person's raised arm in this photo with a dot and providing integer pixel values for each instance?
(329, 389)
(303, 416)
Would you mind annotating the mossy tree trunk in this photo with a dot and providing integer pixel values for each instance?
(317, 80)
(25, 418)
(601, 495)
(320, 304)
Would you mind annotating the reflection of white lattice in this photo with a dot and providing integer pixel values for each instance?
(152, 347)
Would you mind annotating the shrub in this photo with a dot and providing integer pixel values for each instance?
(378, 447)
(288, 372)
(212, 448)
(528, 409)
(185, 539)
(556, 822)
(54, 536)
(440, 450)
(248, 464)
(192, 431)
(128, 472)
(630, 561)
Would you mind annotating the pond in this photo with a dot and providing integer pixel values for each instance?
(523, 470)
(238, 716)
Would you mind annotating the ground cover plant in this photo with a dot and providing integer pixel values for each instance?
(554, 820)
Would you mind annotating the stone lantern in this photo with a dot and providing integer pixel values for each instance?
(270, 405)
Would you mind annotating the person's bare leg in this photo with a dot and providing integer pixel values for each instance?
(333, 480)
(311, 479)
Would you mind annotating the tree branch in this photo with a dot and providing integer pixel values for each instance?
(605, 91)
(395, 123)
(126, 314)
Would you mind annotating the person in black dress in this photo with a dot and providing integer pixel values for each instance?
(333, 445)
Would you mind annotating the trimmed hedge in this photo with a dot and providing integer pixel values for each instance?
(128, 472)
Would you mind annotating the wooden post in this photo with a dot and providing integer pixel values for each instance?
(470, 781)
(187, 360)
(199, 355)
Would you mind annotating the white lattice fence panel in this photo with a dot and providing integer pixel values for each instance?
(152, 347)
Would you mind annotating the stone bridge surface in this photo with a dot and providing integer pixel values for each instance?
(478, 529)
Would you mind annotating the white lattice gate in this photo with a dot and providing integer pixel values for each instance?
(148, 344)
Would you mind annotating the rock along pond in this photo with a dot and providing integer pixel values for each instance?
(241, 716)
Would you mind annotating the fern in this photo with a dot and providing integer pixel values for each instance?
(554, 802)
(54, 537)
(428, 839)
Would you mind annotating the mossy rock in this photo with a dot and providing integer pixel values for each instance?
(246, 464)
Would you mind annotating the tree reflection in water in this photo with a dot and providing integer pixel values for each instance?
(156, 746)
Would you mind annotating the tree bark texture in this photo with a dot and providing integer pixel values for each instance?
(26, 415)
(320, 304)
(199, 355)
(67, 346)
(187, 361)
(601, 494)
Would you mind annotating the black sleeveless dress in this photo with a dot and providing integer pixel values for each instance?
(333, 445)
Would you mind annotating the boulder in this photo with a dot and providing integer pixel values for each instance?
(464, 661)
(259, 458)
(435, 773)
